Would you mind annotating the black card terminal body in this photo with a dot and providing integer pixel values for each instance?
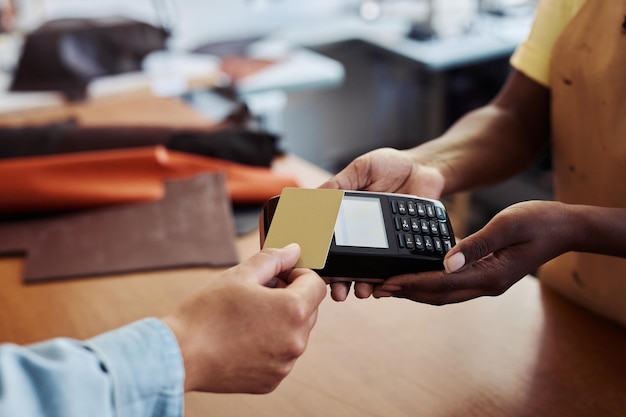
(379, 235)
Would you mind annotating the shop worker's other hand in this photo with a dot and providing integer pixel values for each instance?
(513, 244)
(244, 331)
(384, 170)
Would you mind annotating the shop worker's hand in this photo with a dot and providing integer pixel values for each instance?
(513, 244)
(384, 170)
(243, 332)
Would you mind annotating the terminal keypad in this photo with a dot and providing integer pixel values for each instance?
(421, 227)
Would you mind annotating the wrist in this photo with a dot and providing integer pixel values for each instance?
(598, 229)
(576, 227)
(177, 328)
(432, 165)
(564, 220)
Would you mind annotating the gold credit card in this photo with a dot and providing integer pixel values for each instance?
(307, 217)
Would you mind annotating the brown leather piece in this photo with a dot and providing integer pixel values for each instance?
(191, 226)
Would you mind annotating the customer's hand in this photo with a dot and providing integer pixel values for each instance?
(513, 244)
(384, 170)
(240, 335)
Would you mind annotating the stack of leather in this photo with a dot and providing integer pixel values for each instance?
(84, 200)
(88, 201)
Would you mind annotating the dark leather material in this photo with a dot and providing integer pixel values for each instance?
(234, 144)
(64, 55)
(191, 226)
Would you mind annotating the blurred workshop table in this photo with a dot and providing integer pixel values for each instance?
(528, 352)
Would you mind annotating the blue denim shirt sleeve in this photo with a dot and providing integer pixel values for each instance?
(136, 370)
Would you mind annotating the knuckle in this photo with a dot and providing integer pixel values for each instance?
(361, 162)
(296, 311)
(362, 168)
(495, 287)
(269, 252)
(477, 247)
(292, 346)
(271, 257)
(267, 387)
(282, 372)
(296, 348)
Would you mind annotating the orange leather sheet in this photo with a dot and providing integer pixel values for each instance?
(91, 179)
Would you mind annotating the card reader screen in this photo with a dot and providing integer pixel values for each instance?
(360, 223)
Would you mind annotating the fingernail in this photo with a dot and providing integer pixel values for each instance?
(454, 263)
(291, 246)
(382, 294)
(390, 288)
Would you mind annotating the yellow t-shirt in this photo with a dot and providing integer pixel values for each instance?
(533, 56)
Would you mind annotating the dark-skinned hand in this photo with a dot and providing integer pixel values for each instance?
(513, 244)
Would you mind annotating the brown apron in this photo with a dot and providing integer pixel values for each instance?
(588, 86)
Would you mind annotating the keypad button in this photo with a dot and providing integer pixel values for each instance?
(434, 227)
(419, 242)
(443, 228)
(421, 211)
(430, 210)
(421, 227)
(438, 245)
(410, 206)
(408, 241)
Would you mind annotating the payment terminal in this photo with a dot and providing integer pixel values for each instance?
(358, 235)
